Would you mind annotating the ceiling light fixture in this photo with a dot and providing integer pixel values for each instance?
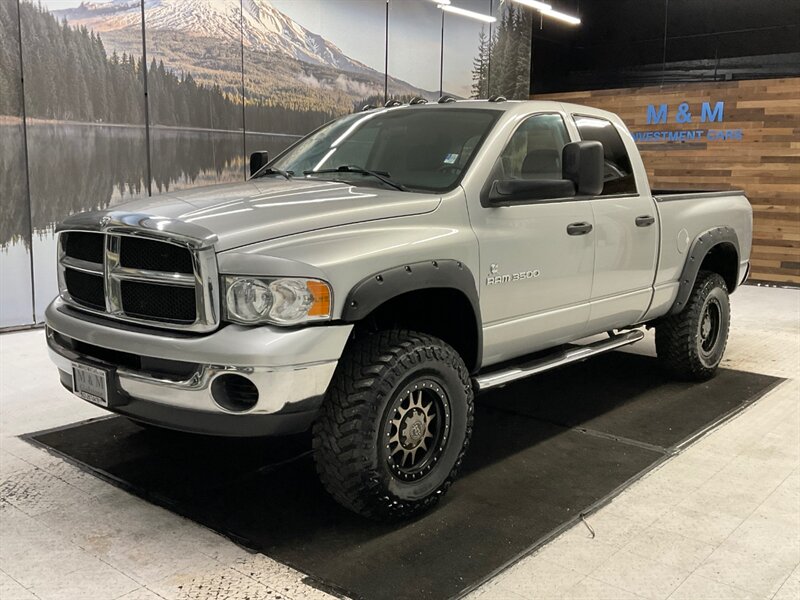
(547, 11)
(466, 13)
(534, 4)
(561, 16)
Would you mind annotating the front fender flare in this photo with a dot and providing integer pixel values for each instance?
(380, 287)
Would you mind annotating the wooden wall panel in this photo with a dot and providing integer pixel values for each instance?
(765, 163)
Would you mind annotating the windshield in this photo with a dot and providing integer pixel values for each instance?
(422, 149)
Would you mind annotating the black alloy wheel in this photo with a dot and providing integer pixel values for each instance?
(692, 342)
(417, 432)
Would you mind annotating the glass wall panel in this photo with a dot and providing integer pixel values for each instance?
(510, 50)
(194, 87)
(16, 303)
(465, 64)
(304, 66)
(358, 29)
(415, 47)
(84, 103)
(283, 73)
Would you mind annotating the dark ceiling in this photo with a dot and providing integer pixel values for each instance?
(623, 43)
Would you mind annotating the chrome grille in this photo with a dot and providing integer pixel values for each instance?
(136, 277)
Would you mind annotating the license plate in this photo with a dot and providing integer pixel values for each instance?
(90, 383)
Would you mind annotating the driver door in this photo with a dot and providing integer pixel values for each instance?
(536, 276)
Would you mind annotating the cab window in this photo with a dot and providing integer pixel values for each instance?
(534, 151)
(618, 174)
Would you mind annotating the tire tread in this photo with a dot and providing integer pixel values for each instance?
(675, 334)
(342, 439)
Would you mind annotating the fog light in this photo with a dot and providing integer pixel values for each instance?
(234, 393)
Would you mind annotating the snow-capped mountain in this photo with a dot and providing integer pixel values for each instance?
(261, 26)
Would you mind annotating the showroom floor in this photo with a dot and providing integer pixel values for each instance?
(720, 520)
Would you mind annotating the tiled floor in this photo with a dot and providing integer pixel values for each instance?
(720, 520)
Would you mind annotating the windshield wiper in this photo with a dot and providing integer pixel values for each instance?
(274, 171)
(382, 175)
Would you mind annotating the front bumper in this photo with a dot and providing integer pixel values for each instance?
(291, 368)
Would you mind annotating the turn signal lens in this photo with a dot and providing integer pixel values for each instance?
(280, 301)
(321, 306)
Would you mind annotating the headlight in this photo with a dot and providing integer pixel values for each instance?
(284, 301)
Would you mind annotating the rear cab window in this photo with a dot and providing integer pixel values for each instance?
(618, 175)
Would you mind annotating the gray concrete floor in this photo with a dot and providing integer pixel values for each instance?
(720, 520)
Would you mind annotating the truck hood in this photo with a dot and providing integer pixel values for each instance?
(240, 214)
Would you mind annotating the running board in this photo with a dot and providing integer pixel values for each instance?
(565, 357)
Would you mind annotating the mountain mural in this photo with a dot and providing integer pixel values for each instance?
(265, 29)
(286, 65)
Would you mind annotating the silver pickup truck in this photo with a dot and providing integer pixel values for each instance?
(372, 278)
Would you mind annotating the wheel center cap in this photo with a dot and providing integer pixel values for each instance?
(705, 329)
(413, 429)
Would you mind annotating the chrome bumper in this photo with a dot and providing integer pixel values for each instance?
(290, 368)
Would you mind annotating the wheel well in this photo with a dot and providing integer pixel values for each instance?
(723, 259)
(442, 312)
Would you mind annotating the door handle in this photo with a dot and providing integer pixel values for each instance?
(645, 221)
(579, 228)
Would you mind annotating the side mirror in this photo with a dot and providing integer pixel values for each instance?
(258, 160)
(583, 164)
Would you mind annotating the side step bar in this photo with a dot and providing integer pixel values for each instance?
(565, 357)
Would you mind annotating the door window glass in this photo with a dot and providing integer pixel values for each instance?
(618, 174)
(534, 151)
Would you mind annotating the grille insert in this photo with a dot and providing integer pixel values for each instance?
(84, 246)
(150, 255)
(154, 301)
(141, 278)
(85, 288)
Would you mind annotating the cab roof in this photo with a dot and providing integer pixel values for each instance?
(511, 106)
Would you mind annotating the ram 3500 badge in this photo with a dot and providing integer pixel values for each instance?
(494, 278)
(353, 285)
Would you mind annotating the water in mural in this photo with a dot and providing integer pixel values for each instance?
(15, 259)
(215, 69)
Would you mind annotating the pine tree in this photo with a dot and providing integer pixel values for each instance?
(480, 67)
(498, 58)
(9, 61)
(522, 60)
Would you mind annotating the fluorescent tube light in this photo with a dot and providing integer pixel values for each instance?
(562, 17)
(535, 4)
(467, 13)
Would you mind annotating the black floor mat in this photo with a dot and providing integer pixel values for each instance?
(543, 451)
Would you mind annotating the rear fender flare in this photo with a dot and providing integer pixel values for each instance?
(702, 245)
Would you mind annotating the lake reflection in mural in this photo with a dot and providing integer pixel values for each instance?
(78, 167)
